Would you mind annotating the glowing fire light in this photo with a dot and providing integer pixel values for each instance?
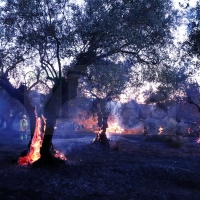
(90, 123)
(36, 143)
(189, 130)
(34, 153)
(59, 155)
(160, 129)
(114, 128)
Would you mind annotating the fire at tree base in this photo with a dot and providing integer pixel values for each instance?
(102, 139)
(33, 156)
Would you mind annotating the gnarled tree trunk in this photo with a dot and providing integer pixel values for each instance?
(101, 136)
(63, 90)
(103, 121)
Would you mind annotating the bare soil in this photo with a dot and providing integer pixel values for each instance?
(134, 170)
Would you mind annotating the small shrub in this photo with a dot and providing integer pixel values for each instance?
(155, 138)
(175, 141)
(171, 140)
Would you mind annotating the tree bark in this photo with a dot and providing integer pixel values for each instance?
(62, 91)
(102, 121)
(101, 136)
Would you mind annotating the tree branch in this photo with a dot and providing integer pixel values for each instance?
(50, 67)
(58, 55)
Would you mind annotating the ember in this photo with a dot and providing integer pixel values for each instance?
(189, 130)
(160, 129)
(59, 155)
(34, 153)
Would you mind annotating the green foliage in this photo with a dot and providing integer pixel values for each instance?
(171, 83)
(193, 42)
(106, 80)
(112, 27)
(60, 30)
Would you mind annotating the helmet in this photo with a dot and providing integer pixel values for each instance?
(24, 116)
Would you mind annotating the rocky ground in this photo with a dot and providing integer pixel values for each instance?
(132, 169)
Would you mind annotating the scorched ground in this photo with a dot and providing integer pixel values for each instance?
(135, 170)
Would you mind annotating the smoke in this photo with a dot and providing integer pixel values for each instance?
(138, 129)
(115, 108)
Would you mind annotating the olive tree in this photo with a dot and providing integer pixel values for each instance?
(64, 39)
(105, 81)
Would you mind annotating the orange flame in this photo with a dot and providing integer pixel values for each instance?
(34, 153)
(36, 143)
(114, 128)
(160, 129)
(85, 122)
(189, 130)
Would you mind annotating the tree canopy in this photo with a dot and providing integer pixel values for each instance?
(60, 41)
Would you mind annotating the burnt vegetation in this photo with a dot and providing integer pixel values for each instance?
(111, 95)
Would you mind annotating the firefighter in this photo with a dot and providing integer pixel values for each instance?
(23, 128)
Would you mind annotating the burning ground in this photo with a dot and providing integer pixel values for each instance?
(136, 169)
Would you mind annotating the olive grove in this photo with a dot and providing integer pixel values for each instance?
(59, 41)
